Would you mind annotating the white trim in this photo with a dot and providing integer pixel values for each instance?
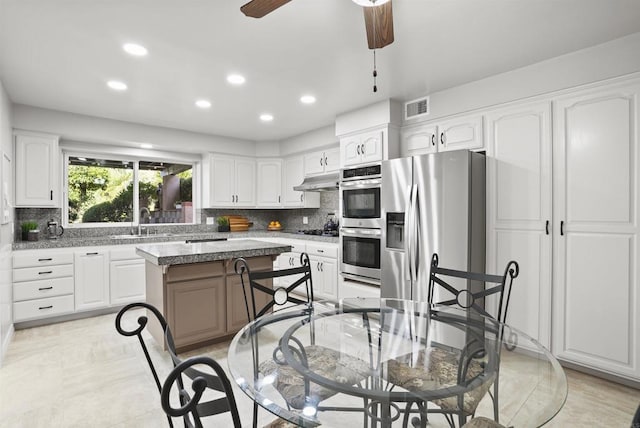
(127, 153)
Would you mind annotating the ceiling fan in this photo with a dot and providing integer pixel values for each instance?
(378, 17)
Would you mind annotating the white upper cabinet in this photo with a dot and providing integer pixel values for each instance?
(362, 148)
(293, 174)
(322, 162)
(229, 182)
(519, 216)
(596, 193)
(269, 183)
(36, 169)
(465, 132)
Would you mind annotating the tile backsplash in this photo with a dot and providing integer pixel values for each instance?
(291, 219)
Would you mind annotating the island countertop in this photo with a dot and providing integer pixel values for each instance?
(176, 253)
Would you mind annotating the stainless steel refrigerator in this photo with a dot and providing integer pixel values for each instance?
(431, 203)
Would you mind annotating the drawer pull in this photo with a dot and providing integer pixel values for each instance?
(45, 260)
(45, 272)
(45, 307)
(92, 254)
(321, 251)
(45, 288)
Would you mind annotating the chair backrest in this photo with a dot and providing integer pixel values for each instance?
(142, 324)
(478, 286)
(635, 423)
(191, 410)
(260, 283)
(217, 382)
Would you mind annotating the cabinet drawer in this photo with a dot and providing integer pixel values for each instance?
(323, 250)
(192, 271)
(42, 288)
(42, 308)
(44, 259)
(44, 272)
(126, 253)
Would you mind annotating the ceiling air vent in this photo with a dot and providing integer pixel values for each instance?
(416, 108)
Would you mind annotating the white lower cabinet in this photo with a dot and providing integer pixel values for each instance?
(91, 268)
(324, 269)
(126, 276)
(43, 284)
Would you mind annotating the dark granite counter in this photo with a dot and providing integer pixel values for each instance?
(159, 238)
(172, 253)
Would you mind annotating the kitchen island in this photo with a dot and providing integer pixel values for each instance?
(197, 290)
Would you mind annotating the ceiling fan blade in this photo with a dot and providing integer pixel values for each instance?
(379, 23)
(259, 8)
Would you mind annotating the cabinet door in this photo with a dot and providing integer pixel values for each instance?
(596, 193)
(371, 146)
(269, 183)
(460, 133)
(332, 160)
(245, 183)
(127, 281)
(91, 280)
(350, 149)
(314, 163)
(293, 176)
(325, 278)
(37, 181)
(519, 200)
(419, 140)
(222, 186)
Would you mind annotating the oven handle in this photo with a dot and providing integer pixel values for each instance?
(361, 232)
(362, 183)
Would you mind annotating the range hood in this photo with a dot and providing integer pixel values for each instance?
(319, 183)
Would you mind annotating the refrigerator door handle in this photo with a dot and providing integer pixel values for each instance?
(414, 232)
(407, 234)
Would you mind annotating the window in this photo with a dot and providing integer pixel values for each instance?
(108, 191)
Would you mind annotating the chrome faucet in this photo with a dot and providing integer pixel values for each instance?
(142, 211)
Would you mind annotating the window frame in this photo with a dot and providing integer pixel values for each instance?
(135, 159)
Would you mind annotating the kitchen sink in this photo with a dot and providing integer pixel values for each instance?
(151, 235)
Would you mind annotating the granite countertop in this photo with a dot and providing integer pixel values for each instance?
(173, 253)
(148, 239)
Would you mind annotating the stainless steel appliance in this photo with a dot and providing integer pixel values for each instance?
(54, 230)
(431, 203)
(360, 249)
(360, 197)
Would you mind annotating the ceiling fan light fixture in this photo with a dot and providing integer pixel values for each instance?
(370, 3)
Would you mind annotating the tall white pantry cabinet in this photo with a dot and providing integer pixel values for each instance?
(563, 191)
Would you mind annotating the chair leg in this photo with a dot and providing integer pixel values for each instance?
(255, 415)
(495, 400)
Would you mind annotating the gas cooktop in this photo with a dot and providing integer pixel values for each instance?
(318, 232)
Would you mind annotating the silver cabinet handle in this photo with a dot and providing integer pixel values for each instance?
(301, 197)
(433, 139)
(320, 161)
(362, 148)
(442, 139)
(325, 161)
(278, 199)
(320, 251)
(358, 149)
(92, 254)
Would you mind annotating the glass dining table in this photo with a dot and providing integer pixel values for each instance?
(389, 362)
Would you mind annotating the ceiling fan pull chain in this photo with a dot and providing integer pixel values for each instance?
(375, 72)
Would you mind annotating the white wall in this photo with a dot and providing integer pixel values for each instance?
(612, 59)
(317, 139)
(6, 230)
(76, 127)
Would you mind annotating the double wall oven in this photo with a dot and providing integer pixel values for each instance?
(361, 223)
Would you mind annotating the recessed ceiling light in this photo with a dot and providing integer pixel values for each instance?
(266, 117)
(134, 49)
(203, 104)
(307, 99)
(236, 79)
(117, 85)
(146, 145)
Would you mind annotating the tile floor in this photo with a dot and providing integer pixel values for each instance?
(84, 374)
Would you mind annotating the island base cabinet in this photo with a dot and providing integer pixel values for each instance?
(236, 307)
(194, 312)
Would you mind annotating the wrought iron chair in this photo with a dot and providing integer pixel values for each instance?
(294, 388)
(453, 367)
(192, 410)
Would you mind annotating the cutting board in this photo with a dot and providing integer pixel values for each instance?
(238, 223)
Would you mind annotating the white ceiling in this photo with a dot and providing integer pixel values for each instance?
(59, 55)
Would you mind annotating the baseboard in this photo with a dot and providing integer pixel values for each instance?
(68, 317)
(604, 375)
(5, 343)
